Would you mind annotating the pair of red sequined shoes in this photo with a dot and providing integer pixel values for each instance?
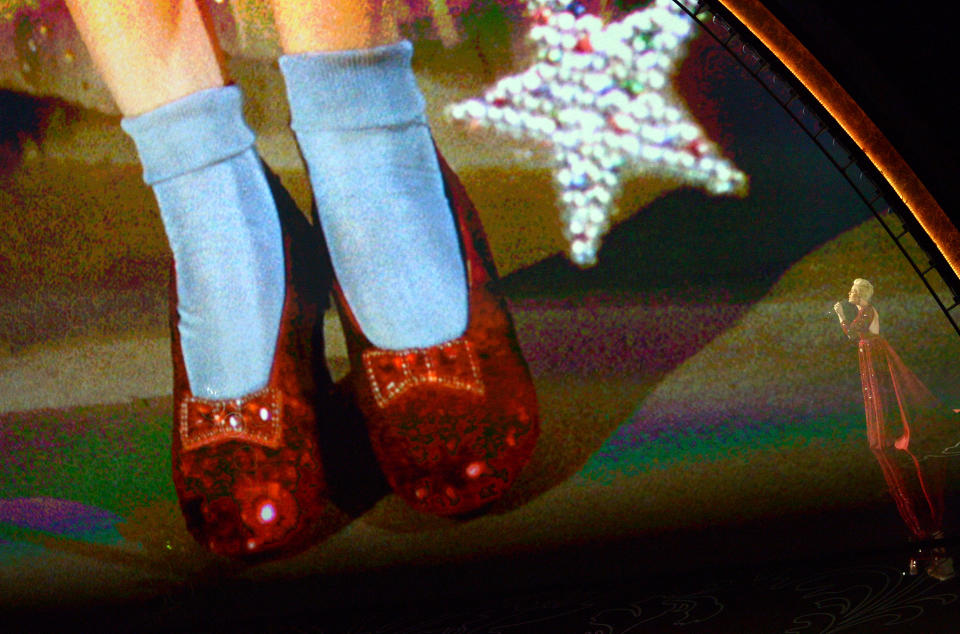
(451, 425)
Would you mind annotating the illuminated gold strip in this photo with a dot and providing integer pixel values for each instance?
(825, 89)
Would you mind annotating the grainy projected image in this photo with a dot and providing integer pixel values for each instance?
(649, 333)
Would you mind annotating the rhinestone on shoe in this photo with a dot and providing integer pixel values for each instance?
(452, 365)
(254, 419)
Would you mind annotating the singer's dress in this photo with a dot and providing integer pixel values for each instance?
(904, 421)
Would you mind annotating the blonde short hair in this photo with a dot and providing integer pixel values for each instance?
(864, 288)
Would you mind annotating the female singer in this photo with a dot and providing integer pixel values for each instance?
(901, 414)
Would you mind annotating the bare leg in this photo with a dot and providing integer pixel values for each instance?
(149, 52)
(334, 25)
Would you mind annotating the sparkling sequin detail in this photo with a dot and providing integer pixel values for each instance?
(450, 451)
(254, 419)
(600, 95)
(248, 471)
(392, 372)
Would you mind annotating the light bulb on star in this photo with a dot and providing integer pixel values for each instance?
(600, 95)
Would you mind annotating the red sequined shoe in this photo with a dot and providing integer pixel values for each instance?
(247, 471)
(452, 425)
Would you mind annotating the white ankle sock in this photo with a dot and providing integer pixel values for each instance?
(222, 224)
(360, 121)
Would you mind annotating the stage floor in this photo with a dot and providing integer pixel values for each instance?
(643, 491)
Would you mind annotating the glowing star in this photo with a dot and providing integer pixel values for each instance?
(600, 95)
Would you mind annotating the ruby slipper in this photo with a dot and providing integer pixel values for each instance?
(247, 470)
(453, 424)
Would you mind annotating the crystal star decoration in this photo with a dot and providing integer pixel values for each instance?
(600, 95)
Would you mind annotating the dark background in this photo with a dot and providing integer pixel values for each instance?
(898, 61)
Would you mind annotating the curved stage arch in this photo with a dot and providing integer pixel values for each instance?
(927, 221)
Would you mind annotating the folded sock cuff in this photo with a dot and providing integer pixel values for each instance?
(351, 90)
(198, 130)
